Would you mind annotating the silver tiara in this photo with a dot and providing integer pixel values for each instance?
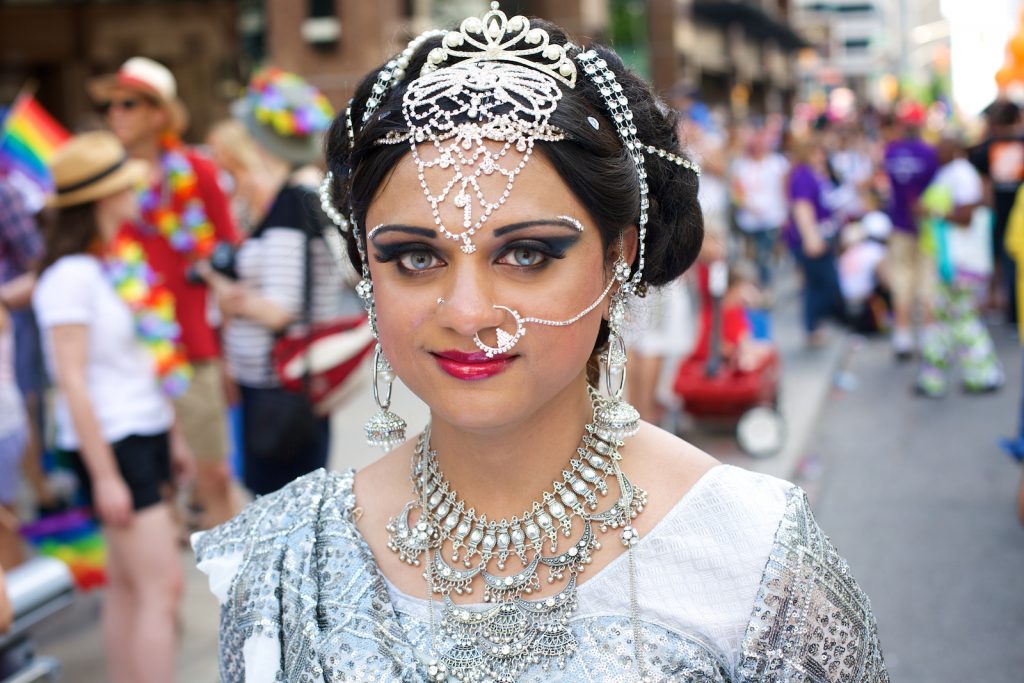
(495, 37)
(502, 75)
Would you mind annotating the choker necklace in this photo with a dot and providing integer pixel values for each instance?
(458, 547)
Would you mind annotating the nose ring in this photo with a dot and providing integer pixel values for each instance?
(505, 340)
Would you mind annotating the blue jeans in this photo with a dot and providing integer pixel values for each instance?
(822, 296)
(762, 244)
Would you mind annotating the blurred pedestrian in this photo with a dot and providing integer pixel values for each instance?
(862, 276)
(184, 214)
(957, 335)
(662, 327)
(809, 234)
(265, 292)
(1015, 248)
(13, 437)
(910, 163)
(21, 246)
(110, 414)
(236, 154)
(759, 192)
(852, 169)
(1000, 159)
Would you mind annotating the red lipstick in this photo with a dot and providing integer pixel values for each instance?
(471, 366)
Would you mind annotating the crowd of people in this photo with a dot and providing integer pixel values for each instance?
(149, 294)
(895, 226)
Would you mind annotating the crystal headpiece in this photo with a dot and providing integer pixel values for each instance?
(455, 115)
(495, 37)
(495, 79)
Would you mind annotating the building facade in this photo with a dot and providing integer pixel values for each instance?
(864, 44)
(740, 53)
(55, 47)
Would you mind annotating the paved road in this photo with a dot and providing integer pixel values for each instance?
(920, 500)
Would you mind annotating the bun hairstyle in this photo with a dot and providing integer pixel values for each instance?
(594, 164)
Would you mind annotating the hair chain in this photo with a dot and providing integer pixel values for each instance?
(674, 158)
(617, 104)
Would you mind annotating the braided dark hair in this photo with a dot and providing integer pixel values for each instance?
(594, 164)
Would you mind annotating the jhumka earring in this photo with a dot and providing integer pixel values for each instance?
(614, 415)
(384, 429)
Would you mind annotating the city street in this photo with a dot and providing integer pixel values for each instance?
(922, 503)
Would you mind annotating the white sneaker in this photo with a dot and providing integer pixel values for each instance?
(903, 343)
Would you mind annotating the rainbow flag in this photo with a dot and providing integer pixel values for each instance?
(28, 140)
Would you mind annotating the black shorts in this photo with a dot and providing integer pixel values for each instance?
(145, 464)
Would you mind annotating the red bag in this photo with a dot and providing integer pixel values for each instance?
(321, 362)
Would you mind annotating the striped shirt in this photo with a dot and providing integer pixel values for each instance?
(271, 262)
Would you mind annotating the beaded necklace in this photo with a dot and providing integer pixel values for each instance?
(457, 547)
(174, 209)
(152, 306)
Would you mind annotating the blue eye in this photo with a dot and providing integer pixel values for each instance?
(418, 260)
(523, 257)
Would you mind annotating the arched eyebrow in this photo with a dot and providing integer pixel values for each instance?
(407, 229)
(566, 221)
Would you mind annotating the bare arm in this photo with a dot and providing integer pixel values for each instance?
(70, 359)
(237, 301)
(962, 215)
(807, 224)
(17, 293)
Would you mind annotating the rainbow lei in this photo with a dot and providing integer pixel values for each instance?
(174, 208)
(152, 305)
(271, 108)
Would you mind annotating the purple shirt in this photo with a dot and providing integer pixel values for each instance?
(910, 164)
(806, 184)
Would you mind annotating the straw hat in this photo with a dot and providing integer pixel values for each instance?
(286, 115)
(91, 166)
(148, 77)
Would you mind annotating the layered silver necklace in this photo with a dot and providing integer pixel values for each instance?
(553, 539)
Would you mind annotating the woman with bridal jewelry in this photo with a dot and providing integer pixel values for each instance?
(504, 193)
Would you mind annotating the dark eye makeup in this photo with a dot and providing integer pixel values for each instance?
(520, 254)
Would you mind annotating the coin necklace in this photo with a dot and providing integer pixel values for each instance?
(456, 546)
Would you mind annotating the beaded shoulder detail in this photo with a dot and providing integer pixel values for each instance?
(306, 589)
(810, 621)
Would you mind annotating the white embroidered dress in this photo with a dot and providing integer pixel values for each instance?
(736, 583)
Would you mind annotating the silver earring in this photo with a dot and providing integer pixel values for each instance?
(385, 429)
(613, 415)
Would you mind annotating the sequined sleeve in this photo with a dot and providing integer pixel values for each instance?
(256, 565)
(811, 621)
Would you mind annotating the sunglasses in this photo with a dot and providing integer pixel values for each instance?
(126, 104)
